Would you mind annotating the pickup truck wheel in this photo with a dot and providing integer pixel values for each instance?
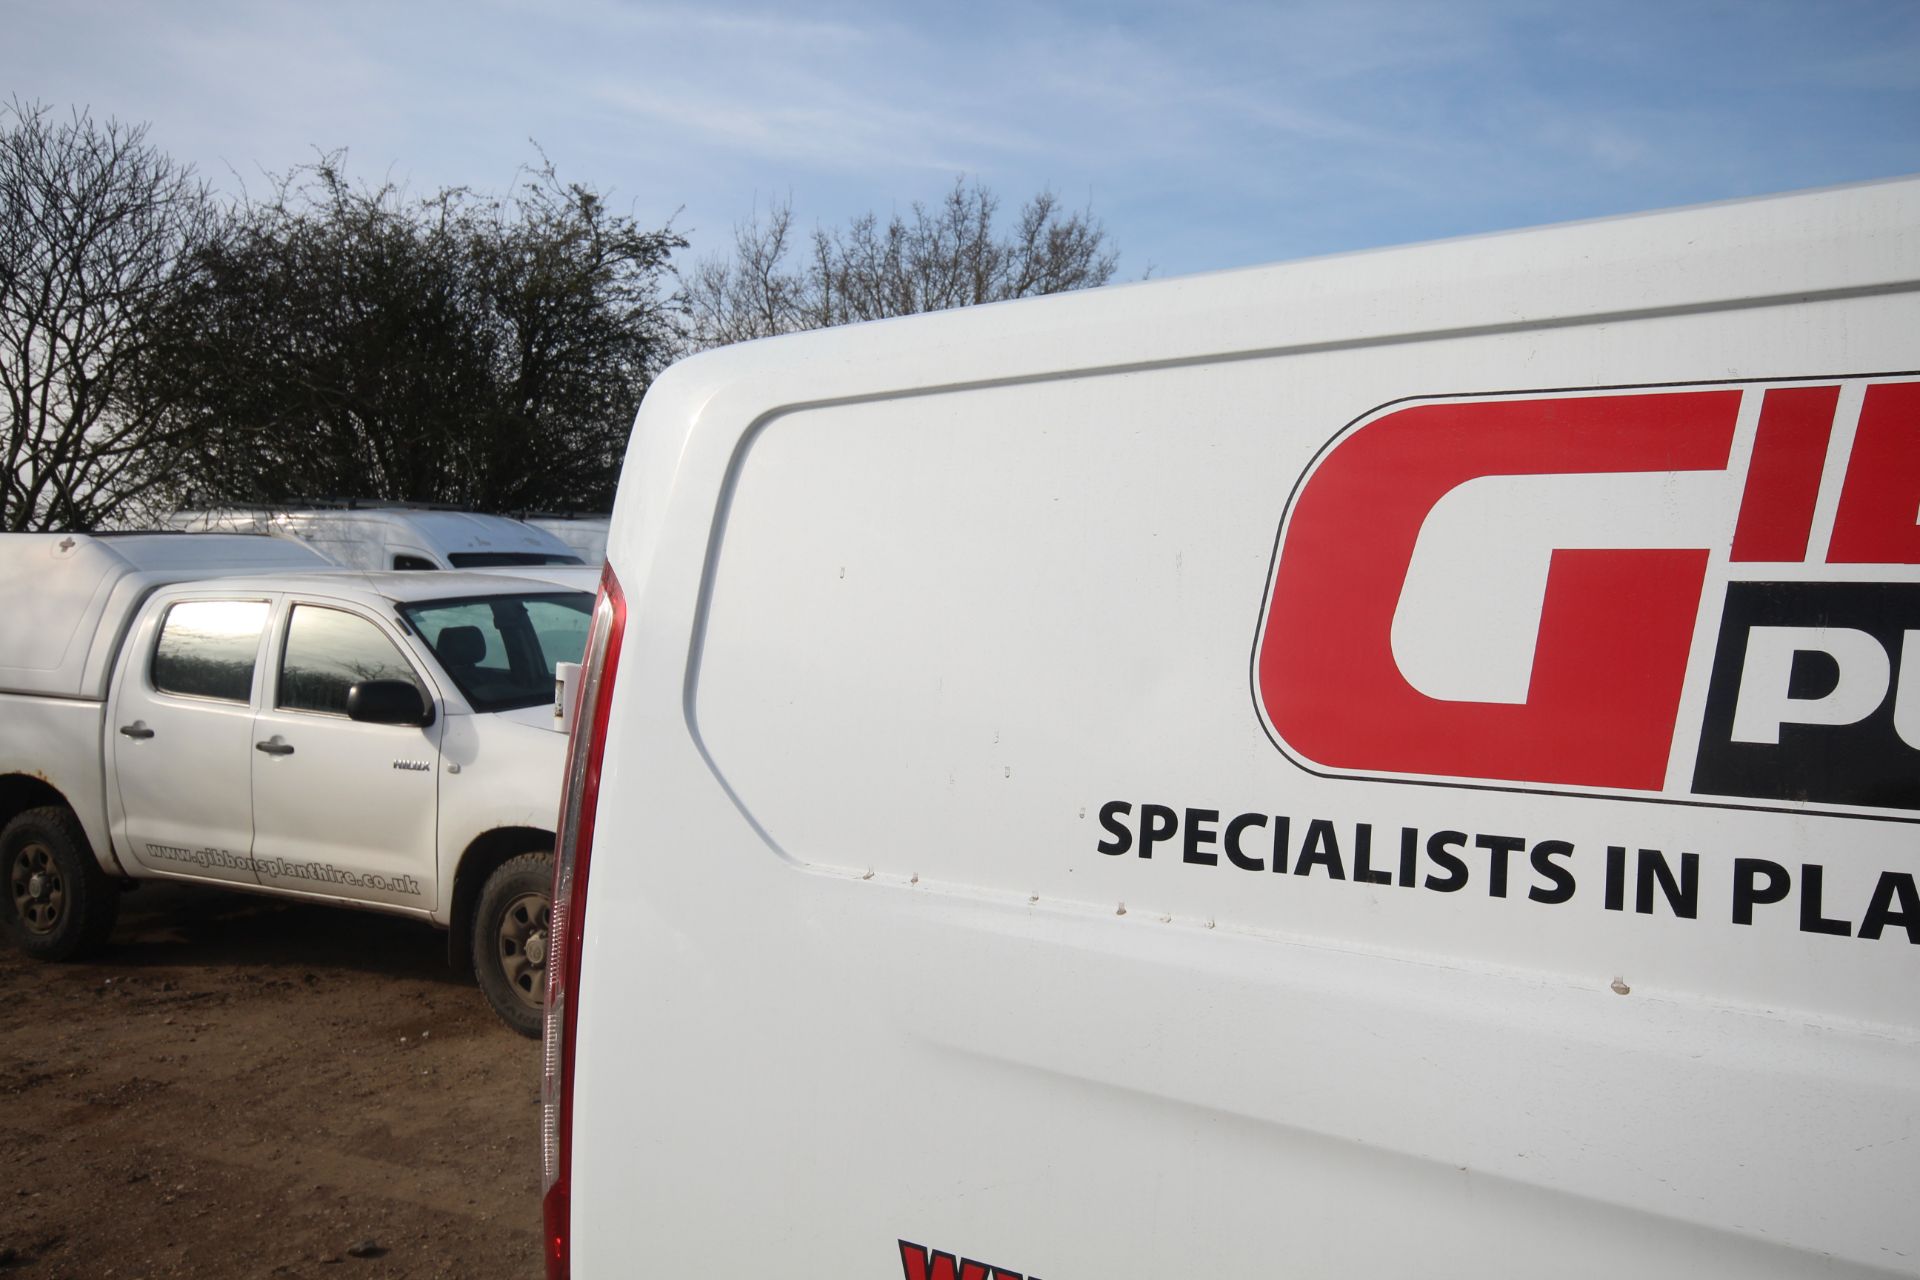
(510, 939)
(58, 904)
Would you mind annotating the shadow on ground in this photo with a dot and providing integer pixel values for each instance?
(189, 925)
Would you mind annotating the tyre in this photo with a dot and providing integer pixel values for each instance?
(510, 939)
(58, 904)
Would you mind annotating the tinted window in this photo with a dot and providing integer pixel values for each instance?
(501, 650)
(206, 648)
(328, 652)
(500, 559)
(412, 562)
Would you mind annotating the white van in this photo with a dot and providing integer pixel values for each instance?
(586, 535)
(394, 537)
(1402, 764)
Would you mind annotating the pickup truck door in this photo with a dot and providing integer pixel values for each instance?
(178, 737)
(341, 808)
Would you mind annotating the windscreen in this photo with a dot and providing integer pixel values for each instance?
(501, 649)
(500, 559)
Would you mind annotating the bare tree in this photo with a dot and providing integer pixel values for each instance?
(950, 255)
(749, 295)
(94, 225)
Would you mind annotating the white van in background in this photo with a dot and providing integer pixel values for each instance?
(587, 535)
(1401, 764)
(363, 537)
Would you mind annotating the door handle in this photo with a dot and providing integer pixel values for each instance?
(274, 747)
(138, 729)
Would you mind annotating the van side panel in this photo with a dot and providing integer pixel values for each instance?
(993, 858)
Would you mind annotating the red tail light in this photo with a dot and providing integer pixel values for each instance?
(574, 845)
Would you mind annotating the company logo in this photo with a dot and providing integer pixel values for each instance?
(1700, 593)
(918, 1262)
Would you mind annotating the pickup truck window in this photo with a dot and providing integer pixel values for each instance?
(206, 648)
(561, 629)
(327, 652)
(501, 650)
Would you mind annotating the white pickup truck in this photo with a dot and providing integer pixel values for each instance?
(211, 708)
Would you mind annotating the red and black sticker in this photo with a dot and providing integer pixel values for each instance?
(1702, 594)
(917, 1262)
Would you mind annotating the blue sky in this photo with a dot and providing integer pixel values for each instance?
(1203, 134)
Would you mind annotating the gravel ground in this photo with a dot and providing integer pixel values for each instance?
(243, 1087)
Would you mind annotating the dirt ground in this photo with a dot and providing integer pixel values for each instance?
(243, 1087)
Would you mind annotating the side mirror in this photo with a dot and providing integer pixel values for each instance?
(388, 702)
